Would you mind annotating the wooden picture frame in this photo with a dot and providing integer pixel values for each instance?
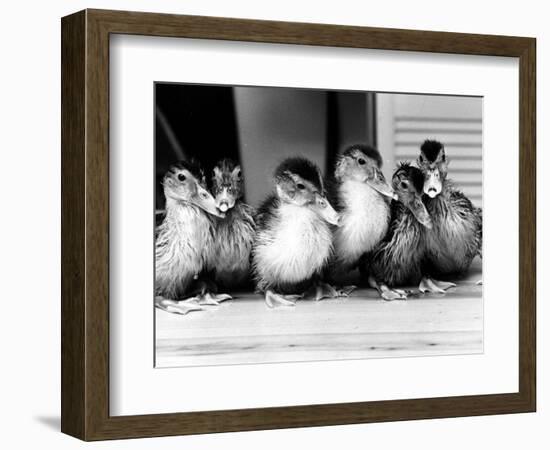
(85, 224)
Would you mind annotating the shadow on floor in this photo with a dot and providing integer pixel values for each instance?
(52, 422)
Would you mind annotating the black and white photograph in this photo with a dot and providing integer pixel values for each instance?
(314, 225)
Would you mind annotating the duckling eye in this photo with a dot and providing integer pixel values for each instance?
(404, 185)
(361, 161)
(300, 186)
(181, 177)
(421, 158)
(204, 195)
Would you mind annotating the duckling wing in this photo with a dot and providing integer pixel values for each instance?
(247, 214)
(159, 220)
(479, 214)
(471, 215)
(331, 190)
(234, 239)
(266, 213)
(459, 200)
(397, 259)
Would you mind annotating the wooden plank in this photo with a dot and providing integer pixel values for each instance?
(73, 268)
(527, 264)
(203, 27)
(245, 330)
(277, 349)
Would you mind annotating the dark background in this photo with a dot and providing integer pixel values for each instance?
(202, 121)
(260, 126)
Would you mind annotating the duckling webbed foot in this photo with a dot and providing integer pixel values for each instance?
(385, 292)
(177, 306)
(205, 292)
(392, 294)
(272, 299)
(345, 291)
(322, 290)
(428, 284)
(208, 298)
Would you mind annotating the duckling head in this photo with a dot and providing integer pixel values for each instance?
(433, 163)
(408, 183)
(227, 184)
(363, 163)
(184, 183)
(299, 182)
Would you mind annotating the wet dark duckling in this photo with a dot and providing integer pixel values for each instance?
(234, 234)
(398, 259)
(362, 198)
(456, 237)
(293, 240)
(185, 238)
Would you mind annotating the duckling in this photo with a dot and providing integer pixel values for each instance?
(362, 197)
(399, 258)
(456, 237)
(293, 240)
(185, 238)
(234, 234)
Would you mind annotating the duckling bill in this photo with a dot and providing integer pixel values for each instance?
(185, 238)
(293, 241)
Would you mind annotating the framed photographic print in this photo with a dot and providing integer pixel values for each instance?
(270, 224)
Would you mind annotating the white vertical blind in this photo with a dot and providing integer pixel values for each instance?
(405, 121)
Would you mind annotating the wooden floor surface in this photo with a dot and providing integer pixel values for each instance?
(245, 330)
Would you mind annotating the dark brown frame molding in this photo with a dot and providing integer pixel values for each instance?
(85, 224)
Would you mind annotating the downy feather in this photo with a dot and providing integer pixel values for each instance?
(292, 245)
(182, 249)
(363, 224)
